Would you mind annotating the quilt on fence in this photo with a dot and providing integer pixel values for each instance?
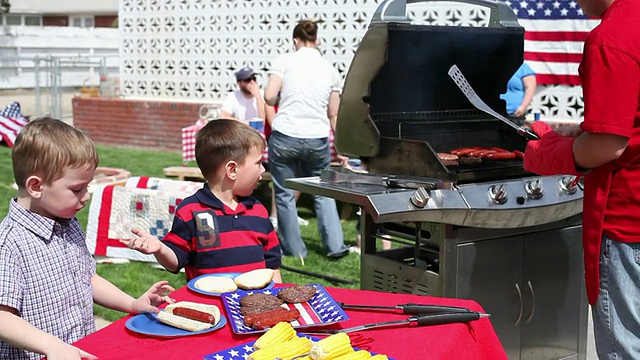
(11, 122)
(145, 203)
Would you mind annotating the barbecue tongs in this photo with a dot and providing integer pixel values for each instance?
(474, 99)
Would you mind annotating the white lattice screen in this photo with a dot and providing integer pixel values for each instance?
(189, 49)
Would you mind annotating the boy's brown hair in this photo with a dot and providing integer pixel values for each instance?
(47, 147)
(223, 140)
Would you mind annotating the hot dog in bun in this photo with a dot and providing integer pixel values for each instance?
(190, 316)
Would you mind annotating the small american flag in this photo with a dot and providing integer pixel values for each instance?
(555, 31)
(11, 122)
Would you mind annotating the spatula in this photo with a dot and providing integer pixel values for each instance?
(474, 99)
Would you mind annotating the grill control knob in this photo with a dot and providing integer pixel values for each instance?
(420, 198)
(568, 184)
(498, 194)
(533, 189)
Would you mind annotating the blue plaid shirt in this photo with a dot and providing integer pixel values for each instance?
(45, 273)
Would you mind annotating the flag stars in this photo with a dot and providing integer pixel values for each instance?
(556, 5)
(564, 12)
(540, 5)
(547, 12)
(531, 12)
(573, 4)
(524, 4)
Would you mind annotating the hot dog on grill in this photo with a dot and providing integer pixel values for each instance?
(271, 320)
(501, 156)
(190, 316)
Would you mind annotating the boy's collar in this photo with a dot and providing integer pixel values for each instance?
(207, 197)
(41, 226)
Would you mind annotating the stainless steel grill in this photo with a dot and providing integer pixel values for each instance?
(489, 231)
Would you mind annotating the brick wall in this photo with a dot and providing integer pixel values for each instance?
(134, 123)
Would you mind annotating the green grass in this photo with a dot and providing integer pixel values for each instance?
(135, 278)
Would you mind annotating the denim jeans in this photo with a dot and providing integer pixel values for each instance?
(293, 157)
(616, 313)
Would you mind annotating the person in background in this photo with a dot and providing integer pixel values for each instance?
(221, 228)
(605, 148)
(306, 88)
(247, 102)
(520, 90)
(48, 280)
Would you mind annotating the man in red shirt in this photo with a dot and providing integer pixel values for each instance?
(606, 149)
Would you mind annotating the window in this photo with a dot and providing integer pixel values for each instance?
(82, 21)
(18, 20)
(32, 20)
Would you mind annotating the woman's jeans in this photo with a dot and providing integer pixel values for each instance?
(616, 314)
(293, 157)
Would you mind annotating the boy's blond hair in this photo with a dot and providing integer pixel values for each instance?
(223, 140)
(47, 147)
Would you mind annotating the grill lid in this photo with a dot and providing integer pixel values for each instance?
(399, 104)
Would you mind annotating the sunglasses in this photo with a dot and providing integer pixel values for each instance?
(253, 78)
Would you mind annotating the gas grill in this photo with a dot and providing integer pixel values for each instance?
(489, 230)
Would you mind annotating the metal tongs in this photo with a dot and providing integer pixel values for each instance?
(417, 320)
(474, 99)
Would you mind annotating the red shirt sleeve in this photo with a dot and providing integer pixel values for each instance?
(610, 82)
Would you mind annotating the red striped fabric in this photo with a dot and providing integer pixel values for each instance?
(555, 32)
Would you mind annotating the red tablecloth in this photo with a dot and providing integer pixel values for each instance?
(476, 340)
(189, 143)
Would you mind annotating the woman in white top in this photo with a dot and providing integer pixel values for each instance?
(306, 89)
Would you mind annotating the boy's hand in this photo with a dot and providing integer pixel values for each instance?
(144, 243)
(68, 352)
(156, 295)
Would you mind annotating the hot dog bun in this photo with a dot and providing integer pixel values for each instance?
(216, 284)
(167, 317)
(255, 279)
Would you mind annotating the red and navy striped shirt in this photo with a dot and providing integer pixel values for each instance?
(209, 237)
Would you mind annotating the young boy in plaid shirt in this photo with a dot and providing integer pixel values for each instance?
(48, 280)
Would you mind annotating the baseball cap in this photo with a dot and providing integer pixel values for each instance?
(244, 73)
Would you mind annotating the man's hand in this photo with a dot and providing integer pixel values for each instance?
(254, 88)
(150, 300)
(68, 352)
(144, 243)
(520, 111)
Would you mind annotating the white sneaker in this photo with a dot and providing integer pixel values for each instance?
(302, 221)
(354, 249)
(274, 222)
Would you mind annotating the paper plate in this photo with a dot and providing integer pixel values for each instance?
(147, 324)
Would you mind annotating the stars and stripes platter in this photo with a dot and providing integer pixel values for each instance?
(320, 310)
(243, 351)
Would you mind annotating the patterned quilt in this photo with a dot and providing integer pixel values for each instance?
(145, 203)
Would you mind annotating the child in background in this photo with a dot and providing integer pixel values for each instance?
(48, 279)
(221, 228)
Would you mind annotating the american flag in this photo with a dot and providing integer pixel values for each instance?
(11, 122)
(555, 31)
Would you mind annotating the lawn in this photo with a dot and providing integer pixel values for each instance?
(135, 277)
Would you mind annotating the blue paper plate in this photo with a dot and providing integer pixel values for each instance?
(243, 351)
(320, 310)
(147, 324)
(192, 283)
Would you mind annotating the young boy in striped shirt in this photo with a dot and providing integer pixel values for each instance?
(221, 228)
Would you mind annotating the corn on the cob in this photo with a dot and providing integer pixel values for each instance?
(356, 355)
(331, 347)
(285, 350)
(379, 357)
(277, 334)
